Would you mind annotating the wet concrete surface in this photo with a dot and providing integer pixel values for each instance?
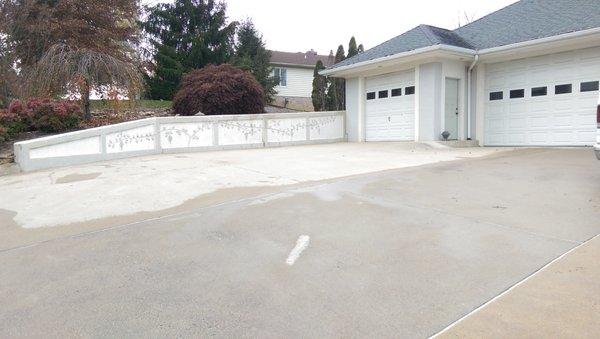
(400, 253)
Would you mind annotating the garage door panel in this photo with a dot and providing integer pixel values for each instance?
(538, 105)
(517, 107)
(551, 119)
(562, 137)
(495, 110)
(538, 137)
(563, 121)
(495, 124)
(517, 138)
(538, 121)
(518, 123)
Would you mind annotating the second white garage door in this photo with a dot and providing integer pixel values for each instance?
(543, 101)
(390, 107)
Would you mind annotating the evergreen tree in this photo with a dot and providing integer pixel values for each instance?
(189, 34)
(352, 48)
(251, 55)
(319, 88)
(163, 83)
(336, 91)
(361, 48)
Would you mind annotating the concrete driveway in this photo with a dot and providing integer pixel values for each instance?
(392, 252)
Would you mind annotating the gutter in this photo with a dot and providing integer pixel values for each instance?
(469, 80)
(447, 48)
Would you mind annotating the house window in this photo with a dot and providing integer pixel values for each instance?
(396, 92)
(370, 95)
(539, 91)
(563, 89)
(383, 94)
(409, 90)
(281, 75)
(589, 86)
(517, 93)
(496, 96)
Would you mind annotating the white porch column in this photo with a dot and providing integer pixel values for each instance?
(361, 109)
(417, 101)
(480, 102)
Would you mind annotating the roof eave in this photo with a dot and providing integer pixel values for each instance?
(541, 41)
(398, 56)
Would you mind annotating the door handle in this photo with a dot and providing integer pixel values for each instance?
(456, 111)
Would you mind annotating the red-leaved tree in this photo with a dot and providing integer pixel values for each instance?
(216, 90)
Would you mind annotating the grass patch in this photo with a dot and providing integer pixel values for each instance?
(125, 104)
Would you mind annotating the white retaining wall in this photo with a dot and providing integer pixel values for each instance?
(180, 134)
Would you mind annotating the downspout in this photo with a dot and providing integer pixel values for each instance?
(469, 95)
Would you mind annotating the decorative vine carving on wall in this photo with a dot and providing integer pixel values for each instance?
(121, 139)
(191, 134)
(276, 126)
(244, 127)
(316, 124)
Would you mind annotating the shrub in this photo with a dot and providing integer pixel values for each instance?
(51, 116)
(55, 116)
(222, 89)
(3, 133)
(11, 124)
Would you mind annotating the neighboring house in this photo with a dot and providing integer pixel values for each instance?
(524, 75)
(295, 72)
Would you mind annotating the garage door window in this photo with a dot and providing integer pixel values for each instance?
(496, 96)
(563, 89)
(370, 95)
(539, 91)
(589, 86)
(517, 93)
(383, 94)
(396, 92)
(409, 90)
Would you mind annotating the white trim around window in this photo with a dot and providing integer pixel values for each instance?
(281, 73)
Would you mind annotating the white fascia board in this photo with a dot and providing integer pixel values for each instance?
(530, 43)
(282, 64)
(448, 48)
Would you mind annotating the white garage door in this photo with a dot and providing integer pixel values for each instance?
(390, 107)
(543, 101)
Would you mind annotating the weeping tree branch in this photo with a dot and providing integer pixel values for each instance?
(64, 68)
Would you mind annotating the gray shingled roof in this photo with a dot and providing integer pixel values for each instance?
(418, 37)
(531, 19)
(522, 21)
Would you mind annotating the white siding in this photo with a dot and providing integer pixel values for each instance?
(299, 83)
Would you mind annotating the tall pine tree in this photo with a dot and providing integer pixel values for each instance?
(352, 48)
(319, 88)
(336, 91)
(189, 33)
(251, 55)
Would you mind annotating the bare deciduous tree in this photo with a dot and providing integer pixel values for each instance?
(67, 69)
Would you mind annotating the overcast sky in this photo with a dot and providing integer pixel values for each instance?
(322, 25)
